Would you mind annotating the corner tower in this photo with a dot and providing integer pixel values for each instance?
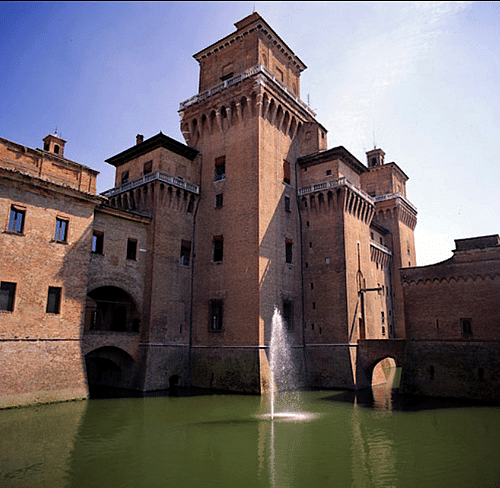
(250, 125)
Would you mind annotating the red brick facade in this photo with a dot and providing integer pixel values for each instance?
(172, 277)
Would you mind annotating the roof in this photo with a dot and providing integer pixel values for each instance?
(339, 152)
(159, 140)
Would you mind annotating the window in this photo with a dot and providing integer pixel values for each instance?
(185, 253)
(16, 219)
(216, 315)
(7, 294)
(218, 242)
(124, 177)
(219, 200)
(54, 300)
(61, 232)
(148, 167)
(286, 172)
(288, 314)
(328, 171)
(289, 251)
(131, 249)
(287, 204)
(226, 77)
(190, 204)
(97, 242)
(466, 325)
(220, 168)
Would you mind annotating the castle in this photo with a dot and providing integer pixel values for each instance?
(171, 277)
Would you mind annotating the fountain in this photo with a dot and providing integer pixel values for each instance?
(284, 390)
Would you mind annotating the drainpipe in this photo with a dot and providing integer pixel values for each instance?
(297, 200)
(191, 290)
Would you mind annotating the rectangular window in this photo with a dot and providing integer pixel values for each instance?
(16, 219)
(54, 300)
(288, 314)
(61, 233)
(131, 249)
(148, 167)
(97, 242)
(7, 295)
(124, 177)
(216, 315)
(185, 253)
(287, 204)
(289, 251)
(220, 168)
(218, 242)
(466, 325)
(219, 200)
(286, 172)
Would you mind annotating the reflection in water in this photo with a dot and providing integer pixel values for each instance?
(221, 441)
(36, 443)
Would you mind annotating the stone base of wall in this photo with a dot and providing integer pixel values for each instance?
(41, 372)
(226, 368)
(166, 366)
(468, 370)
(331, 366)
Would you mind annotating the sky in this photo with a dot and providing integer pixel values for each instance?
(418, 79)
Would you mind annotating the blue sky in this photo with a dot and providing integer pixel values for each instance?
(418, 79)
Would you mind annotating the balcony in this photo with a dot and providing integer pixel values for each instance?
(156, 176)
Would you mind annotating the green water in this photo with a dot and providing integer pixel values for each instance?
(220, 441)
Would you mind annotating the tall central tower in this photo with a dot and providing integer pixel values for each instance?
(250, 126)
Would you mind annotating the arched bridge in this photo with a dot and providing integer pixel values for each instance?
(372, 351)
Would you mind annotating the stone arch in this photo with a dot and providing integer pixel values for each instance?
(271, 110)
(224, 118)
(203, 124)
(234, 113)
(212, 121)
(110, 308)
(321, 201)
(109, 366)
(330, 200)
(286, 122)
(278, 117)
(293, 127)
(312, 202)
(185, 132)
(195, 133)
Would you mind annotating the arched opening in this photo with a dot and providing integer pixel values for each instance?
(110, 308)
(108, 367)
(385, 384)
(385, 373)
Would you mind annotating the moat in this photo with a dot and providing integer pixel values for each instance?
(367, 440)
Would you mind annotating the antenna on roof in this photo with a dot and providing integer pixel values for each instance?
(374, 141)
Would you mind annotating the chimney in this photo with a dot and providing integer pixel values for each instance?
(139, 138)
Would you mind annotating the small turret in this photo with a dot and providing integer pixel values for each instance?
(54, 144)
(375, 157)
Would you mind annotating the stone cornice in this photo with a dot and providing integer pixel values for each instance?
(39, 183)
(246, 26)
